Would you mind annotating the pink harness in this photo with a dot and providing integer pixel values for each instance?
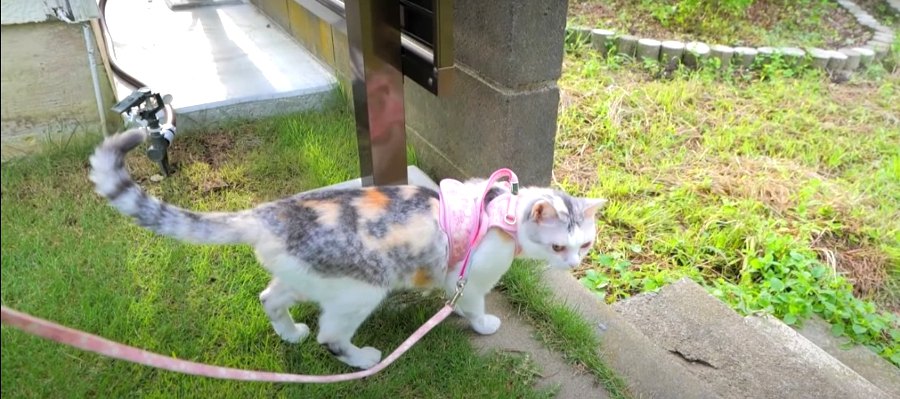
(465, 224)
(458, 211)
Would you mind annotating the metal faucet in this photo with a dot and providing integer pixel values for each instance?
(142, 107)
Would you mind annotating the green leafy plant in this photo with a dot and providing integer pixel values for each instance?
(788, 281)
(696, 15)
(621, 278)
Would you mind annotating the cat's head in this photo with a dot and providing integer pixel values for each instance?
(556, 227)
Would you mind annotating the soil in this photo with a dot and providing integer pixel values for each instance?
(779, 20)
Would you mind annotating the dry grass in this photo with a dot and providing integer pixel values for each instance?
(864, 266)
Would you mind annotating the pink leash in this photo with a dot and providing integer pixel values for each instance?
(92, 343)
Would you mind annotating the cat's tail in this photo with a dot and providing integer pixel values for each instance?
(112, 181)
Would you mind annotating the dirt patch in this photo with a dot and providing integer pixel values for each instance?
(773, 182)
(790, 23)
(858, 94)
(865, 267)
(212, 148)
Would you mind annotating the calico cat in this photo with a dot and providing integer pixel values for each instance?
(346, 249)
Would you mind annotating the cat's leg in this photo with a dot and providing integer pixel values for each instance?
(340, 319)
(471, 305)
(489, 262)
(276, 299)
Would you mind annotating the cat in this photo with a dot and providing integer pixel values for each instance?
(346, 249)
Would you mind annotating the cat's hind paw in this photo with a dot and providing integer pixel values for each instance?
(363, 358)
(296, 335)
(486, 324)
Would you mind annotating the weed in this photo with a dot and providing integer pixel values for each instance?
(789, 281)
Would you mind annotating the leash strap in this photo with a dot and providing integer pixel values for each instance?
(92, 343)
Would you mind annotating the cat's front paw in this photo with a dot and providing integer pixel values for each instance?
(364, 358)
(295, 335)
(486, 324)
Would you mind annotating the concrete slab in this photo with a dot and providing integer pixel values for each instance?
(415, 176)
(516, 335)
(185, 4)
(218, 62)
(802, 348)
(865, 362)
(732, 356)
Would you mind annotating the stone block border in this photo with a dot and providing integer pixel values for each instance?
(895, 4)
(843, 60)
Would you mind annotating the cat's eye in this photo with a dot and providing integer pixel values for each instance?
(558, 248)
(586, 245)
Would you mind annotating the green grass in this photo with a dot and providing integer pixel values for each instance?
(70, 258)
(558, 326)
(729, 22)
(778, 190)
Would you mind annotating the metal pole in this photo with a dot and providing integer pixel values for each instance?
(373, 30)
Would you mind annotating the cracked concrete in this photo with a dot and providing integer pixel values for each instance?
(740, 358)
(516, 335)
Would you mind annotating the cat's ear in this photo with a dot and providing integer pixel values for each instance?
(592, 205)
(543, 211)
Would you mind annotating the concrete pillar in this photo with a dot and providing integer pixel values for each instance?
(502, 107)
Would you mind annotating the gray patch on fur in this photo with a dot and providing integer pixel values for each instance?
(334, 348)
(575, 208)
(338, 251)
(492, 194)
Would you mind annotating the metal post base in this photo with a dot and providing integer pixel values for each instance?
(373, 30)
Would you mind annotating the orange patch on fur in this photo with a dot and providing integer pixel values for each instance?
(375, 198)
(407, 192)
(372, 204)
(417, 233)
(435, 205)
(329, 212)
(421, 278)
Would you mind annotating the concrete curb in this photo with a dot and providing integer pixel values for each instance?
(647, 369)
(879, 46)
(518, 336)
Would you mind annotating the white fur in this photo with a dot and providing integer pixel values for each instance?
(489, 261)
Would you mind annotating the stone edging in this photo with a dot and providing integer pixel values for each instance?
(895, 4)
(844, 60)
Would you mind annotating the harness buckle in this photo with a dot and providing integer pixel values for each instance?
(460, 285)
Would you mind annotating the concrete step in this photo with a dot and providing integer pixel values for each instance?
(862, 360)
(219, 62)
(806, 350)
(647, 369)
(739, 357)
